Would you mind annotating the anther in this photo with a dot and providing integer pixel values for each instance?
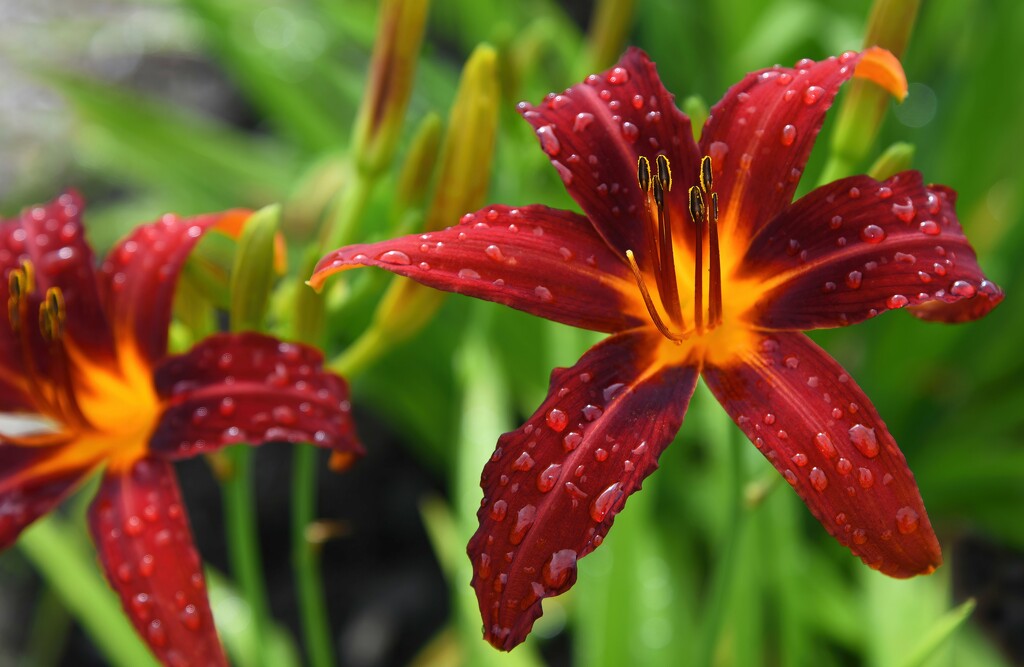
(664, 172)
(643, 174)
(697, 207)
(57, 310)
(706, 182)
(659, 194)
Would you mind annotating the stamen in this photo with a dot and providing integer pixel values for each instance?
(715, 261)
(697, 212)
(706, 182)
(664, 172)
(651, 233)
(649, 302)
(668, 288)
(643, 173)
(52, 316)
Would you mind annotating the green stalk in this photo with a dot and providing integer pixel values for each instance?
(725, 574)
(316, 631)
(243, 545)
(70, 571)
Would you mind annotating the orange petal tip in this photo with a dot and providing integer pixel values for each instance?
(881, 66)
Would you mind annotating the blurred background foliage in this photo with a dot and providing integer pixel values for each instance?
(150, 106)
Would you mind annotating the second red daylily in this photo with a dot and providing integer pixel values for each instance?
(696, 259)
(85, 382)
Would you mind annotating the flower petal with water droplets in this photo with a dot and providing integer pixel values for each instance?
(250, 388)
(760, 134)
(51, 238)
(142, 535)
(594, 133)
(34, 480)
(139, 275)
(553, 486)
(816, 426)
(537, 259)
(863, 247)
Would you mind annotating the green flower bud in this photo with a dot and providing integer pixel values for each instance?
(252, 274)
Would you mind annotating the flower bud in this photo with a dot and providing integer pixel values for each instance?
(392, 70)
(252, 274)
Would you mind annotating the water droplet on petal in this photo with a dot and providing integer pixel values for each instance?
(548, 141)
(905, 211)
(557, 420)
(864, 440)
(524, 520)
(843, 466)
(800, 459)
(523, 463)
(630, 131)
(498, 510)
(468, 274)
(854, 279)
(824, 445)
(818, 479)
(929, 227)
(603, 503)
(788, 135)
(543, 293)
(897, 301)
(557, 570)
(618, 76)
(582, 121)
(395, 257)
(547, 479)
(872, 234)
(907, 520)
(963, 289)
(813, 94)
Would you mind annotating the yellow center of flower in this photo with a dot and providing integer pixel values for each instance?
(688, 310)
(106, 412)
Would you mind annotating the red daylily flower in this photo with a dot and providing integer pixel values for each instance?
(698, 262)
(83, 358)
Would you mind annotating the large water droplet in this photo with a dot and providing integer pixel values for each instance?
(630, 131)
(582, 121)
(963, 289)
(524, 520)
(905, 211)
(824, 445)
(571, 441)
(897, 301)
(800, 459)
(813, 94)
(907, 520)
(557, 420)
(929, 227)
(523, 463)
(557, 570)
(618, 76)
(843, 466)
(395, 257)
(854, 279)
(863, 438)
(872, 234)
(603, 503)
(548, 141)
(468, 274)
(818, 479)
(788, 135)
(547, 479)
(498, 510)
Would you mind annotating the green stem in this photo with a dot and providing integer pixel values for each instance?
(69, 569)
(316, 632)
(358, 356)
(243, 544)
(726, 573)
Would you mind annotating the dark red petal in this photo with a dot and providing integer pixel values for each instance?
(141, 531)
(139, 276)
(815, 425)
(857, 247)
(553, 487)
(51, 238)
(541, 260)
(760, 134)
(32, 483)
(250, 388)
(594, 133)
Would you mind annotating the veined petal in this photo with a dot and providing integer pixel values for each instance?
(251, 388)
(541, 260)
(139, 276)
(594, 133)
(141, 531)
(553, 486)
(33, 480)
(858, 247)
(760, 134)
(815, 425)
(46, 245)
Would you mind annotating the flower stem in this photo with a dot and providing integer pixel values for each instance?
(725, 574)
(70, 571)
(243, 544)
(316, 631)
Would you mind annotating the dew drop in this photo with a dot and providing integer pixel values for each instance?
(557, 420)
(571, 441)
(813, 94)
(905, 211)
(543, 293)
(468, 274)
(824, 445)
(591, 412)
(929, 227)
(788, 135)
(523, 463)
(836, 222)
(557, 570)
(156, 633)
(395, 257)
(547, 479)
(863, 438)
(897, 301)
(860, 536)
(603, 503)
(524, 520)
(582, 121)
(818, 479)
(769, 418)
(907, 520)
(854, 279)
(963, 289)
(630, 131)
(800, 459)
(843, 466)
(190, 617)
(872, 234)
(548, 141)
(618, 76)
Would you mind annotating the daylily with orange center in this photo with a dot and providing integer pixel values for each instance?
(85, 381)
(698, 262)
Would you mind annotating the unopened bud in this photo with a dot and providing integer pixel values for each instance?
(392, 71)
(252, 274)
(896, 158)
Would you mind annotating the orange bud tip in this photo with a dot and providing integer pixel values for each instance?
(341, 461)
(881, 66)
